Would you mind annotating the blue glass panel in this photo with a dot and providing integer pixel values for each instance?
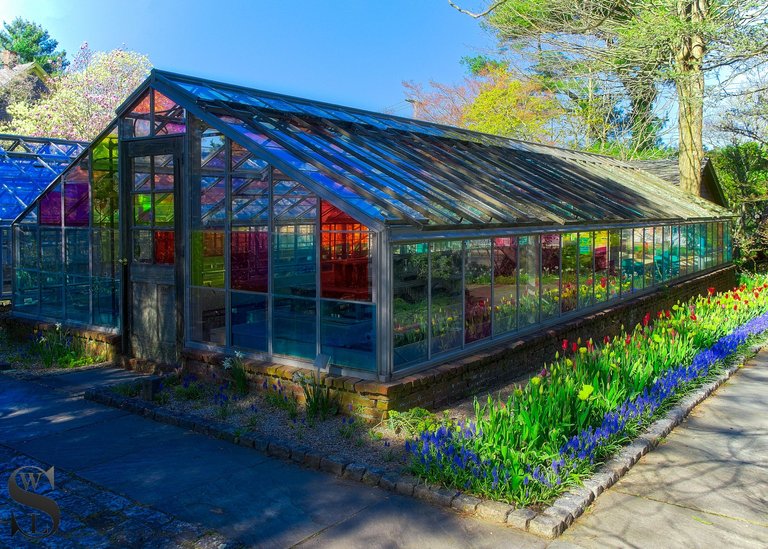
(294, 261)
(106, 292)
(77, 252)
(249, 321)
(294, 325)
(26, 296)
(207, 320)
(78, 291)
(347, 334)
(50, 250)
(52, 295)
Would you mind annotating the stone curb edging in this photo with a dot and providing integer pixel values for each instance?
(549, 523)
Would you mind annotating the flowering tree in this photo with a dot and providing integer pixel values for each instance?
(83, 99)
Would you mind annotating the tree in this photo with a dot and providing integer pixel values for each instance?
(742, 169)
(31, 42)
(489, 100)
(645, 45)
(83, 99)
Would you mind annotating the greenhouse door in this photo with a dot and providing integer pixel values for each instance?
(153, 313)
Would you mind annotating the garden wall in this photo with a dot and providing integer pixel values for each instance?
(482, 371)
(94, 342)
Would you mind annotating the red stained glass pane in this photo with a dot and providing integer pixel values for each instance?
(333, 219)
(345, 265)
(142, 105)
(249, 260)
(164, 247)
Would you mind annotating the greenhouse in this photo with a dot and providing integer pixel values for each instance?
(214, 217)
(27, 166)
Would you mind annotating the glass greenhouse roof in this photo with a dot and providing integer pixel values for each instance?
(27, 166)
(395, 170)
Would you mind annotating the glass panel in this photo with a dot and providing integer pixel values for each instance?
(52, 295)
(529, 248)
(142, 209)
(628, 267)
(26, 292)
(660, 255)
(169, 117)
(727, 244)
(250, 200)
(505, 285)
(586, 270)
(294, 325)
(77, 260)
(569, 291)
(163, 208)
(649, 259)
(137, 122)
(447, 295)
(711, 244)
(410, 294)
(674, 251)
(105, 301)
(163, 172)
(50, 250)
(105, 246)
(76, 196)
(78, 298)
(27, 239)
(550, 276)
(142, 246)
(347, 334)
(207, 258)
(164, 247)
(50, 207)
(105, 182)
(345, 259)
(249, 321)
(249, 258)
(477, 290)
(613, 262)
(142, 173)
(293, 257)
(207, 320)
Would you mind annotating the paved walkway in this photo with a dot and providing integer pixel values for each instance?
(706, 485)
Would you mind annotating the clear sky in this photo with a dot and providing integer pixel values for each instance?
(352, 52)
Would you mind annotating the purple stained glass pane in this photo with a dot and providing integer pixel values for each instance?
(50, 208)
(76, 204)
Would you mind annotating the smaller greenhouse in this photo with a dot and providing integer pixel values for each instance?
(214, 217)
(27, 166)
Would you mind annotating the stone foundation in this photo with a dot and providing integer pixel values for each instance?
(483, 370)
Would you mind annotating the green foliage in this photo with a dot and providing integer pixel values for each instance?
(515, 444)
(190, 391)
(60, 348)
(318, 400)
(283, 400)
(414, 421)
(31, 42)
(236, 368)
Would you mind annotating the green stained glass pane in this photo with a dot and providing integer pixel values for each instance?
(142, 209)
(163, 209)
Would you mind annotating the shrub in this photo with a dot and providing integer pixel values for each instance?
(236, 368)
(279, 398)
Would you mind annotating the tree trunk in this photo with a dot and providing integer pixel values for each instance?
(690, 95)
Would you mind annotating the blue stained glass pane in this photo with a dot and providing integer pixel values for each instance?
(347, 334)
(294, 325)
(249, 321)
(105, 301)
(78, 290)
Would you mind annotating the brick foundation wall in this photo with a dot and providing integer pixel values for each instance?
(94, 342)
(480, 372)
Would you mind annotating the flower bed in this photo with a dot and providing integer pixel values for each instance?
(550, 434)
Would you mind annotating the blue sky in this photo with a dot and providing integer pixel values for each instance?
(350, 52)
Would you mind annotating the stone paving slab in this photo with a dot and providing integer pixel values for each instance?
(92, 517)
